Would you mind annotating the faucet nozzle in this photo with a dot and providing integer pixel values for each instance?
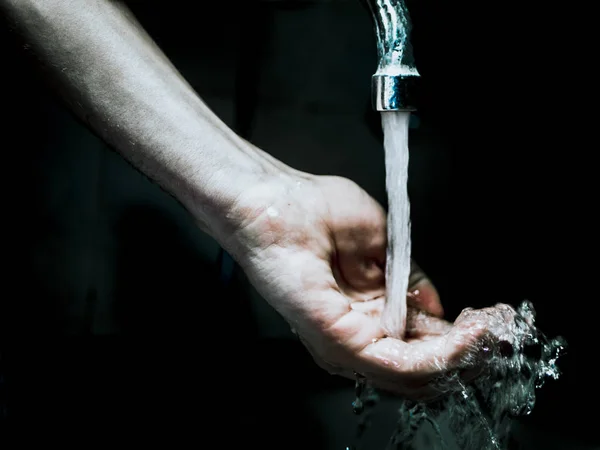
(396, 71)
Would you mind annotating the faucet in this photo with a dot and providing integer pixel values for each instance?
(396, 71)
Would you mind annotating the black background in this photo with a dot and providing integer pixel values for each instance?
(504, 84)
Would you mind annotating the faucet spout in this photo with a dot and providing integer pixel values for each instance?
(396, 70)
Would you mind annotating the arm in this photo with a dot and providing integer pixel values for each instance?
(120, 83)
(314, 247)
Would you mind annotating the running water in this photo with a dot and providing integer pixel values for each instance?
(395, 131)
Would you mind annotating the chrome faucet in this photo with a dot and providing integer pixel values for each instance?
(396, 70)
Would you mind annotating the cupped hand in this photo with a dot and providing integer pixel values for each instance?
(314, 247)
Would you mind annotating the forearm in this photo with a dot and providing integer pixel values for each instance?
(118, 81)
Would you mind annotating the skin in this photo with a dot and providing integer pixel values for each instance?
(313, 246)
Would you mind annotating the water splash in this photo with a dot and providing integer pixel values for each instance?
(363, 406)
(478, 415)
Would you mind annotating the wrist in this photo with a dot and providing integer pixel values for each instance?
(223, 199)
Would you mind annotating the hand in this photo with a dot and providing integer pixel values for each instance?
(315, 247)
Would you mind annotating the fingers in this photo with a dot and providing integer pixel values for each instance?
(438, 359)
(421, 325)
(426, 370)
(495, 323)
(423, 369)
(460, 348)
(422, 293)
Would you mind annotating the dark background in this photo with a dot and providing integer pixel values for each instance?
(111, 325)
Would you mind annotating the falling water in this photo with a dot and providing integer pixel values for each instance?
(395, 130)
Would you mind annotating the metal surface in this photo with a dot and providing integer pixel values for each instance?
(396, 70)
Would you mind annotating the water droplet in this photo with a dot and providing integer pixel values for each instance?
(357, 406)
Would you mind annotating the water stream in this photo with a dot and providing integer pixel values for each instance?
(395, 129)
